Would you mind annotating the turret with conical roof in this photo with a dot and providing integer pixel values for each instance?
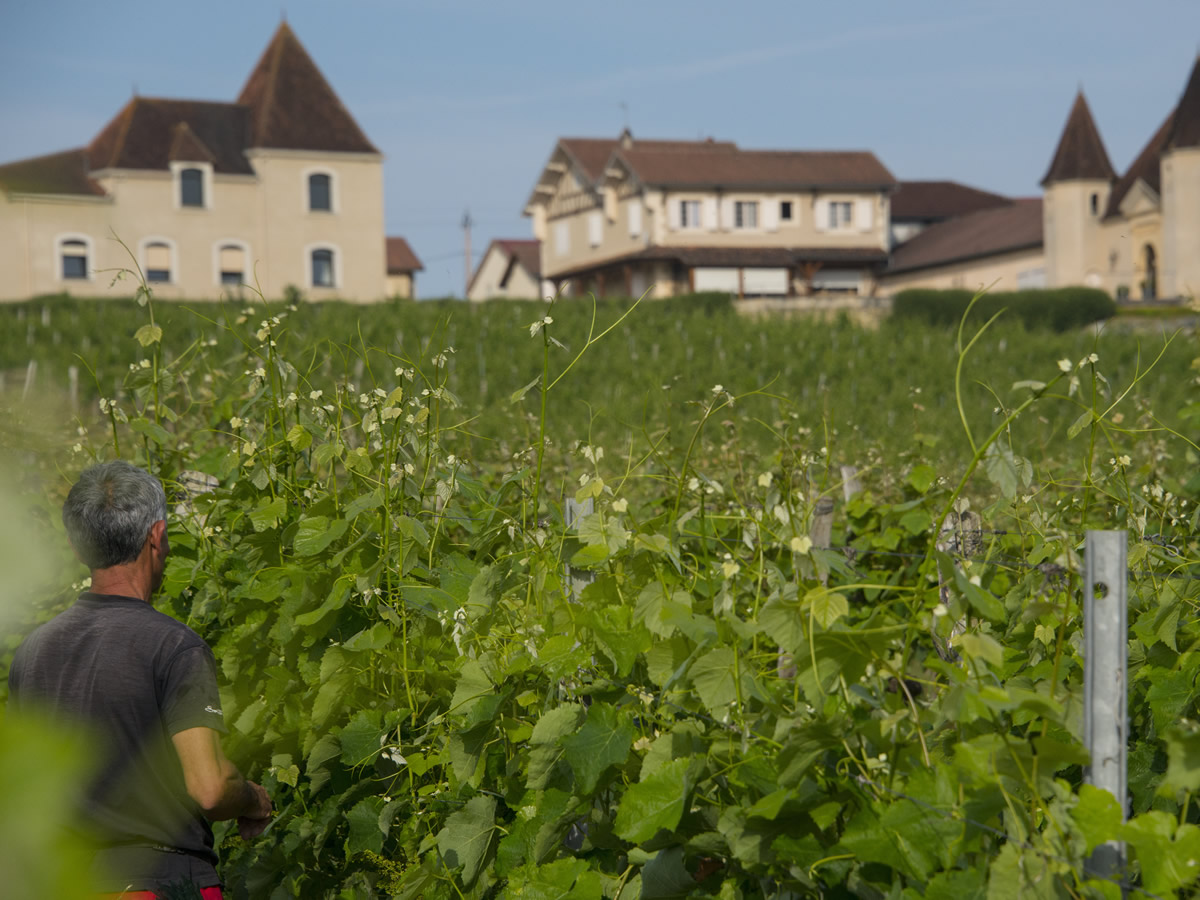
(1076, 189)
(1179, 168)
(1080, 155)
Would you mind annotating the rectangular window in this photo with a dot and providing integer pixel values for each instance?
(689, 213)
(785, 210)
(562, 238)
(745, 214)
(158, 263)
(74, 265)
(322, 268)
(191, 187)
(595, 228)
(841, 214)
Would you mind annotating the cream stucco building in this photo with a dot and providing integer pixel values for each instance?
(1134, 235)
(510, 268)
(628, 216)
(279, 188)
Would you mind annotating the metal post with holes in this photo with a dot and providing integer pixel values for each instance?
(1105, 668)
(577, 579)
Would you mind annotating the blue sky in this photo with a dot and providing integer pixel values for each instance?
(466, 99)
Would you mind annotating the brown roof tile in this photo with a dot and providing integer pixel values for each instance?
(1185, 131)
(1080, 153)
(400, 257)
(145, 133)
(1144, 167)
(292, 105)
(986, 232)
(527, 252)
(186, 147)
(55, 173)
(593, 153)
(935, 200)
(758, 169)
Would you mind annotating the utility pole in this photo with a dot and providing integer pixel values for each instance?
(466, 227)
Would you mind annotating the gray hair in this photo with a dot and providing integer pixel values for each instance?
(110, 511)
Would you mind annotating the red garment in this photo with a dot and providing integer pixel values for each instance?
(208, 893)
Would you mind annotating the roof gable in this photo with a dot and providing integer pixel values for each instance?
(186, 147)
(1080, 154)
(400, 257)
(292, 106)
(1185, 130)
(1145, 167)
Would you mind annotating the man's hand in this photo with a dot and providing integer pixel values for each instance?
(255, 821)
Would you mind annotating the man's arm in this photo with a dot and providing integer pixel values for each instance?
(216, 784)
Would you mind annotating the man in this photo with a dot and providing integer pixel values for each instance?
(145, 687)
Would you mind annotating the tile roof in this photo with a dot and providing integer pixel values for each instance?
(1144, 167)
(400, 257)
(55, 173)
(757, 169)
(292, 105)
(146, 134)
(983, 233)
(934, 200)
(1080, 153)
(1185, 132)
(592, 154)
(527, 252)
(744, 257)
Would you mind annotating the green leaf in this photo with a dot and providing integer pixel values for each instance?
(467, 838)
(1084, 420)
(1097, 815)
(518, 395)
(1183, 760)
(316, 533)
(714, 676)
(362, 503)
(268, 513)
(828, 606)
(1169, 695)
(655, 803)
(665, 875)
(299, 437)
(604, 740)
(148, 334)
(982, 646)
(922, 478)
(1168, 852)
(1007, 471)
(363, 821)
(152, 430)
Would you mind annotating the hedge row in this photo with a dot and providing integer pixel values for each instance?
(1060, 308)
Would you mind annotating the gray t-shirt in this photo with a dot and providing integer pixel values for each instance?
(130, 677)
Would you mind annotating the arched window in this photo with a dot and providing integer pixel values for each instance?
(322, 268)
(73, 258)
(231, 260)
(191, 187)
(320, 192)
(158, 262)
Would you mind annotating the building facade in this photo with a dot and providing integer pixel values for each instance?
(510, 268)
(628, 217)
(279, 188)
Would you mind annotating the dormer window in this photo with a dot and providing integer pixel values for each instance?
(191, 187)
(320, 192)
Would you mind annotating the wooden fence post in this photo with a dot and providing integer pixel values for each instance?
(850, 483)
(1105, 636)
(577, 579)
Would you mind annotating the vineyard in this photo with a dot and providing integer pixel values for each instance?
(706, 681)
